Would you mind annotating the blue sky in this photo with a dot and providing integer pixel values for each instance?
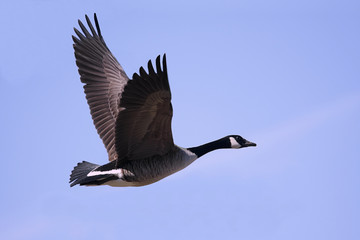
(284, 74)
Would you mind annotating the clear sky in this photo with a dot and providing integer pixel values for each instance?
(284, 74)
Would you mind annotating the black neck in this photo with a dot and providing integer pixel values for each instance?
(208, 147)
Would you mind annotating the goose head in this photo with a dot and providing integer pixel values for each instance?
(237, 141)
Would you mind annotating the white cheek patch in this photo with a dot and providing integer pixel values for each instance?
(234, 143)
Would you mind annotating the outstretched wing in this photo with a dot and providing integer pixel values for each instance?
(143, 128)
(104, 80)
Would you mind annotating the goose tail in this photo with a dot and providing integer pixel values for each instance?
(80, 172)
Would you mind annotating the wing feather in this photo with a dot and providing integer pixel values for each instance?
(104, 80)
(143, 128)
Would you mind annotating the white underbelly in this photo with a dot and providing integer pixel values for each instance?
(120, 183)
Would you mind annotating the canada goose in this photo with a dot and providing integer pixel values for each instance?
(132, 117)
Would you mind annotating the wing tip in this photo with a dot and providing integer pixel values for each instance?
(97, 25)
(164, 64)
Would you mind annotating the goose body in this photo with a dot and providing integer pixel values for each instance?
(146, 171)
(132, 117)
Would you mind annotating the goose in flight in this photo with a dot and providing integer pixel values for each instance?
(132, 117)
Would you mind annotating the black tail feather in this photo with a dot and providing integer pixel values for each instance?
(80, 172)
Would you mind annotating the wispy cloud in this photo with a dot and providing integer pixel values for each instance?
(303, 124)
(257, 159)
